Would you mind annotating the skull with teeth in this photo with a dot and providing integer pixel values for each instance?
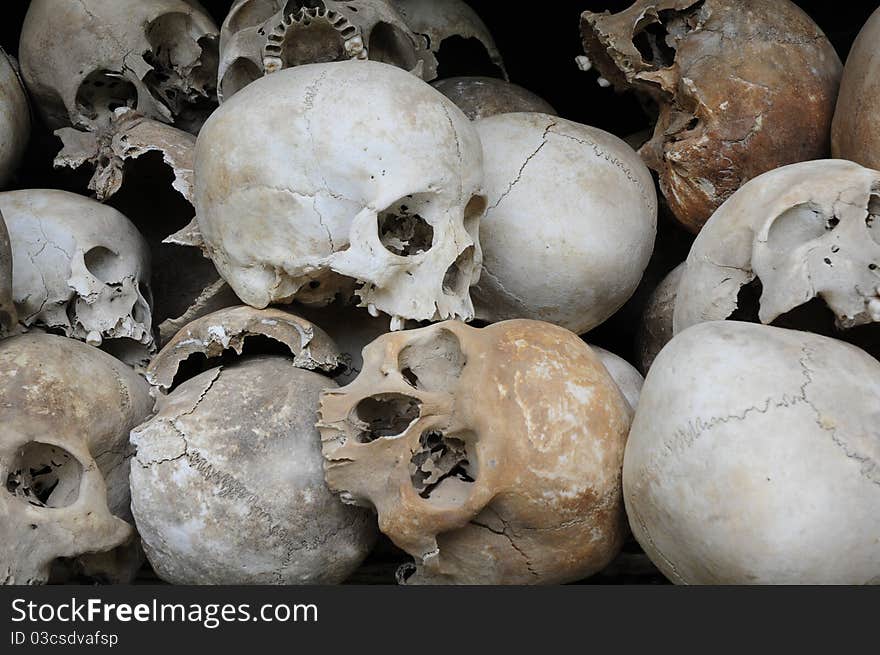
(81, 268)
(727, 77)
(490, 455)
(804, 231)
(263, 36)
(81, 60)
(294, 203)
(64, 458)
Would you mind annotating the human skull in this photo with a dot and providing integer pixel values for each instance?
(855, 134)
(561, 243)
(624, 374)
(65, 414)
(754, 458)
(15, 119)
(294, 203)
(804, 231)
(491, 455)
(456, 35)
(655, 326)
(481, 97)
(260, 37)
(8, 315)
(81, 60)
(228, 486)
(81, 268)
(728, 76)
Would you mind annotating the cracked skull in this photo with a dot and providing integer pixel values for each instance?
(65, 414)
(228, 483)
(260, 37)
(80, 268)
(728, 78)
(492, 456)
(84, 58)
(294, 203)
(752, 461)
(561, 243)
(804, 231)
(15, 119)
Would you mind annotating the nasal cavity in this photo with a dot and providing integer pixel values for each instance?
(45, 476)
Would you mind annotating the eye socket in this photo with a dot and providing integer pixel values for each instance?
(799, 225)
(45, 476)
(443, 469)
(385, 415)
(104, 91)
(104, 264)
(403, 232)
(391, 45)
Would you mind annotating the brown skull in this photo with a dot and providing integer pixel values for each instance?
(492, 456)
(743, 87)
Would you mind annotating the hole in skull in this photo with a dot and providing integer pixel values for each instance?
(813, 316)
(45, 476)
(404, 234)
(441, 466)
(457, 279)
(433, 363)
(102, 92)
(385, 415)
(309, 42)
(391, 45)
(241, 73)
(459, 57)
(105, 265)
(253, 345)
(651, 42)
(872, 220)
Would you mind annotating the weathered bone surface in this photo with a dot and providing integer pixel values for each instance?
(81, 268)
(8, 314)
(15, 119)
(65, 415)
(728, 77)
(260, 37)
(561, 243)
(624, 374)
(128, 136)
(81, 60)
(804, 231)
(656, 325)
(228, 485)
(492, 456)
(751, 459)
(214, 297)
(229, 329)
(294, 203)
(351, 328)
(856, 130)
(482, 97)
(445, 22)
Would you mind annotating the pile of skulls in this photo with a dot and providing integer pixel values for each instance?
(313, 293)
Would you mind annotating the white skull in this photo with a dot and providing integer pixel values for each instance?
(294, 202)
(450, 27)
(754, 458)
(562, 242)
(15, 119)
(492, 456)
(263, 36)
(81, 60)
(64, 457)
(807, 230)
(81, 268)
